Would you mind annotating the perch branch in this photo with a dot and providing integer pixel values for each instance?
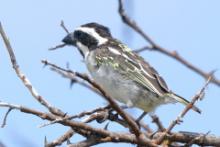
(84, 129)
(132, 125)
(78, 126)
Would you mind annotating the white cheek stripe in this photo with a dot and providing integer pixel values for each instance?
(83, 48)
(93, 33)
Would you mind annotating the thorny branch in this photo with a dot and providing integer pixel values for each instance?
(156, 120)
(61, 139)
(69, 75)
(82, 114)
(187, 108)
(155, 47)
(60, 45)
(132, 124)
(87, 130)
(77, 126)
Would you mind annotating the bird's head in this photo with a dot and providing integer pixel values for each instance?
(88, 37)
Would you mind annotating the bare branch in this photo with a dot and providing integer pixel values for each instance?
(82, 114)
(156, 47)
(145, 48)
(98, 116)
(61, 139)
(198, 138)
(156, 120)
(70, 76)
(87, 130)
(111, 138)
(79, 126)
(88, 142)
(133, 24)
(187, 108)
(24, 79)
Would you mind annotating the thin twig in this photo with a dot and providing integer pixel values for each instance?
(5, 117)
(61, 139)
(9, 48)
(82, 114)
(98, 116)
(71, 77)
(145, 48)
(57, 46)
(156, 47)
(64, 27)
(60, 45)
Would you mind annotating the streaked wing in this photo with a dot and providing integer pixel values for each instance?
(134, 67)
(145, 75)
(160, 81)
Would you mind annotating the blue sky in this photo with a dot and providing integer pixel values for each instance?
(189, 27)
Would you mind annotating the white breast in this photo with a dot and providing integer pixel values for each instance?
(112, 82)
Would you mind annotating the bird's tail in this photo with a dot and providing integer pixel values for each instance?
(183, 101)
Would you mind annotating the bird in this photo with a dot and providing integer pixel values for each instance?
(123, 74)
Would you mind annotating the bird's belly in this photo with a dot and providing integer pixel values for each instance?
(125, 90)
(114, 84)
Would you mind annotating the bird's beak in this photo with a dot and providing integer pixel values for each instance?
(69, 40)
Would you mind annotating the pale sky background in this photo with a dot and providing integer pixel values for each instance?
(189, 27)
